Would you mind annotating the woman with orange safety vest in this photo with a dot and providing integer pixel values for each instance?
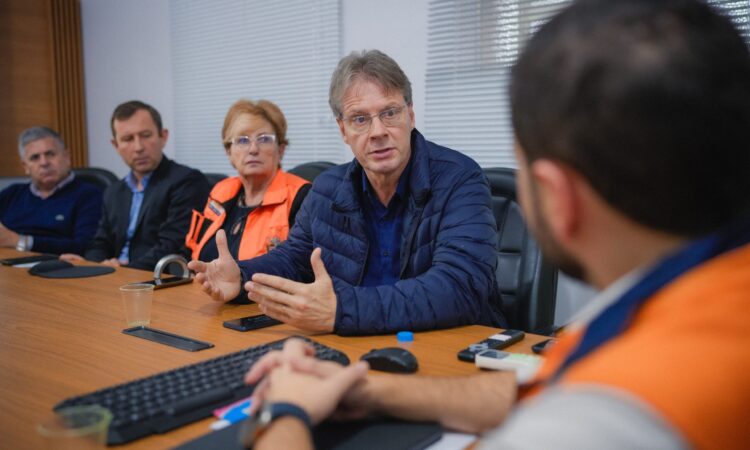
(256, 208)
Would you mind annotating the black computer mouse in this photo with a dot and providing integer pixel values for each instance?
(391, 359)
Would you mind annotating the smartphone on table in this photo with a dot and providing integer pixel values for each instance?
(27, 259)
(251, 323)
(160, 283)
(540, 347)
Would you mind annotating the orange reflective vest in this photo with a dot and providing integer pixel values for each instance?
(265, 227)
(686, 354)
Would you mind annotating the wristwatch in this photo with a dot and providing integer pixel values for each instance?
(256, 425)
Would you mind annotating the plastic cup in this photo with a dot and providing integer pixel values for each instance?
(137, 299)
(77, 427)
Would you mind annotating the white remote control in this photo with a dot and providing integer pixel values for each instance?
(524, 365)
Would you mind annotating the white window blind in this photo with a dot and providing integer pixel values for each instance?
(738, 11)
(280, 51)
(472, 44)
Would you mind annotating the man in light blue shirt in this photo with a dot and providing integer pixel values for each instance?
(147, 214)
(135, 208)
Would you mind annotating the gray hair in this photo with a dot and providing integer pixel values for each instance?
(370, 65)
(32, 134)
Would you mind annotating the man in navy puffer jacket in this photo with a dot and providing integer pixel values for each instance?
(401, 238)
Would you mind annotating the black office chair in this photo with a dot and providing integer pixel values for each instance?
(526, 282)
(214, 178)
(102, 178)
(310, 170)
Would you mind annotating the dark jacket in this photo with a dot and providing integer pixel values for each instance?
(173, 191)
(448, 252)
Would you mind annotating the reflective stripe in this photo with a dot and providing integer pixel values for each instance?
(266, 225)
(684, 354)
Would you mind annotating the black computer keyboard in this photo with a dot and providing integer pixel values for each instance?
(171, 399)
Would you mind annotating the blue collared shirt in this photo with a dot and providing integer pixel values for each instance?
(135, 208)
(384, 225)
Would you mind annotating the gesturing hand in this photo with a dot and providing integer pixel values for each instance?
(221, 277)
(307, 306)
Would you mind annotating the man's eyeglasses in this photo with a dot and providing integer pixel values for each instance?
(262, 141)
(360, 123)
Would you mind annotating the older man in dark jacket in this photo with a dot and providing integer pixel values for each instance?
(401, 238)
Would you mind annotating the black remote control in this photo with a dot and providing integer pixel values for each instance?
(496, 341)
(251, 323)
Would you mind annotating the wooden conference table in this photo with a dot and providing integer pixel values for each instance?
(62, 337)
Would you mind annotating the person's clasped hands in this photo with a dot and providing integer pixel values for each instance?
(321, 388)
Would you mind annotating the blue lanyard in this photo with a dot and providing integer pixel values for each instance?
(617, 317)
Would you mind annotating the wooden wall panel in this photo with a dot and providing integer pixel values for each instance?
(67, 59)
(25, 77)
(41, 76)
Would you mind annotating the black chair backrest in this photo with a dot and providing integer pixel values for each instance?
(526, 282)
(102, 178)
(310, 170)
(214, 178)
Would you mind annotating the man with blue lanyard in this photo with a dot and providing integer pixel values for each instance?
(147, 214)
(631, 119)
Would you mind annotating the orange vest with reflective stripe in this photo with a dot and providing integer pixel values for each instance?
(265, 227)
(686, 354)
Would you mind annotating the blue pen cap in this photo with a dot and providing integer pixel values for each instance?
(405, 336)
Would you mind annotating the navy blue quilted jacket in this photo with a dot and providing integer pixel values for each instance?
(448, 252)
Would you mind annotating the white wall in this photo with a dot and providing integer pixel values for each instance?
(397, 28)
(572, 295)
(126, 56)
(126, 46)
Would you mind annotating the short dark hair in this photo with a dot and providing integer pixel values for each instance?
(125, 111)
(649, 101)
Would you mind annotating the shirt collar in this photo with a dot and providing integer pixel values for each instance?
(133, 183)
(401, 188)
(64, 182)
